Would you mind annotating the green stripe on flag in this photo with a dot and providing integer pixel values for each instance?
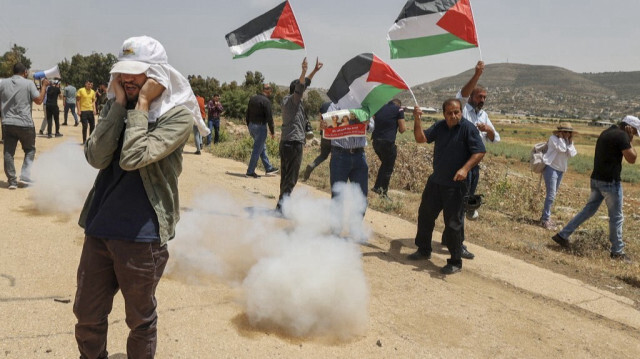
(377, 98)
(271, 44)
(425, 46)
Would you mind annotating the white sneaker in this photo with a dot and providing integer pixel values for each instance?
(13, 186)
(472, 216)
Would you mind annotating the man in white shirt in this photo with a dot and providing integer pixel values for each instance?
(473, 98)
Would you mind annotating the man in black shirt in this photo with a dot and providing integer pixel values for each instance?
(613, 144)
(458, 148)
(258, 118)
(389, 120)
(53, 111)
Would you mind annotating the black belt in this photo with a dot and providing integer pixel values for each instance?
(350, 150)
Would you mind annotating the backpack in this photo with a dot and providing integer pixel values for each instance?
(535, 160)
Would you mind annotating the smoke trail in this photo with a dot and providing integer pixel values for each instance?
(300, 275)
(62, 178)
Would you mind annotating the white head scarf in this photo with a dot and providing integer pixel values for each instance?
(144, 54)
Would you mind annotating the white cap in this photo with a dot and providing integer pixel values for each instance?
(137, 54)
(632, 121)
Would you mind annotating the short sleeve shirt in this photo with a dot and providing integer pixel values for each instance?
(607, 162)
(16, 97)
(387, 122)
(87, 98)
(70, 94)
(453, 148)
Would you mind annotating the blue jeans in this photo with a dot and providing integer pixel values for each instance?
(611, 193)
(552, 179)
(214, 127)
(70, 107)
(346, 166)
(197, 138)
(259, 134)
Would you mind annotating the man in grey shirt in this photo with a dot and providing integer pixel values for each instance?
(69, 94)
(16, 95)
(294, 124)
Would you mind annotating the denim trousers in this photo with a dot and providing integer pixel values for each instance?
(259, 134)
(197, 138)
(70, 107)
(611, 194)
(27, 138)
(552, 179)
(346, 166)
(105, 267)
(387, 153)
(214, 127)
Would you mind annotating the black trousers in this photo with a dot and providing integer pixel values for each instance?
(325, 151)
(437, 198)
(53, 115)
(290, 161)
(87, 119)
(387, 153)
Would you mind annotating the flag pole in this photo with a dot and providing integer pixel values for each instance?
(474, 25)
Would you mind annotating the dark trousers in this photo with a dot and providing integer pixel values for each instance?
(325, 151)
(87, 119)
(472, 180)
(53, 115)
(387, 153)
(106, 266)
(290, 161)
(214, 127)
(11, 135)
(70, 107)
(448, 200)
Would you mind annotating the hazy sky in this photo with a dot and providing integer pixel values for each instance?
(580, 35)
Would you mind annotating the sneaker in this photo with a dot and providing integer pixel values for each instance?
(564, 243)
(13, 186)
(548, 225)
(623, 257)
(272, 171)
(419, 255)
(377, 190)
(75, 125)
(197, 152)
(26, 182)
(58, 135)
(472, 215)
(64, 124)
(49, 135)
(41, 132)
(254, 175)
(450, 269)
(466, 254)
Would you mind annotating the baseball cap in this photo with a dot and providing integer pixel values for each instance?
(138, 54)
(633, 122)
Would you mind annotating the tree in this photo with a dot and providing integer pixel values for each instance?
(12, 57)
(312, 103)
(94, 68)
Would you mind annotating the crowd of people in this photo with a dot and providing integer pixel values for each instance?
(131, 212)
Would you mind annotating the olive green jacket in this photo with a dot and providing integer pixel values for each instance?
(155, 149)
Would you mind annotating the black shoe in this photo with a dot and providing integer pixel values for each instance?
(197, 152)
(58, 135)
(49, 135)
(254, 175)
(450, 269)
(564, 243)
(623, 257)
(466, 254)
(419, 255)
(41, 132)
(272, 171)
(377, 190)
(64, 124)
(76, 125)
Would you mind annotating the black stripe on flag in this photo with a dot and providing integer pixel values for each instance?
(354, 68)
(424, 7)
(257, 26)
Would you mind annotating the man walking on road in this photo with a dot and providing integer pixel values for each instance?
(69, 94)
(16, 95)
(258, 118)
(86, 106)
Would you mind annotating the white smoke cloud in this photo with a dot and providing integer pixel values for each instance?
(62, 179)
(302, 275)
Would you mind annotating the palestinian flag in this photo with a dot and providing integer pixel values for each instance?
(430, 27)
(365, 84)
(276, 29)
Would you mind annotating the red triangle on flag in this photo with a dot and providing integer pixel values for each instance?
(458, 20)
(383, 73)
(287, 27)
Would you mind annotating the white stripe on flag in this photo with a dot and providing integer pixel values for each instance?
(358, 91)
(416, 27)
(242, 48)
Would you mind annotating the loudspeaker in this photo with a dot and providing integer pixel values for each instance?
(51, 73)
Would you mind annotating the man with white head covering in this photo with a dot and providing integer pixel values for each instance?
(132, 210)
(612, 145)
